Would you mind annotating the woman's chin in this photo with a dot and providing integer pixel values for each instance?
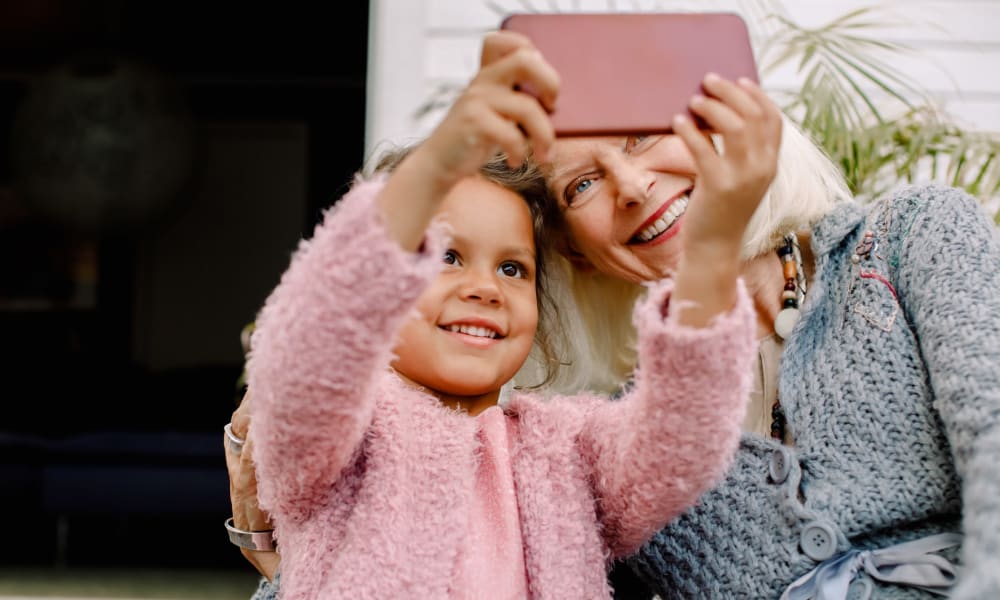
(657, 260)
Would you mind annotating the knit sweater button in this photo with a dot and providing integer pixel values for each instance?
(818, 541)
(860, 589)
(779, 466)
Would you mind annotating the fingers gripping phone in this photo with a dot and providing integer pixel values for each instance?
(631, 73)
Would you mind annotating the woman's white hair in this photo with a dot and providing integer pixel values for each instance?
(593, 333)
(807, 186)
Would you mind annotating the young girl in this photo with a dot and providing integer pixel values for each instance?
(376, 365)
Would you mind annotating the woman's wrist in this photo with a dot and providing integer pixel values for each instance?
(259, 540)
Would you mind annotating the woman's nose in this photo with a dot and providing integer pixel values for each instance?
(632, 184)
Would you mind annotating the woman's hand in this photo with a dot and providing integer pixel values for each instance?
(247, 514)
(730, 184)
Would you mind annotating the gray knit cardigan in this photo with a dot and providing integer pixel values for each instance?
(891, 386)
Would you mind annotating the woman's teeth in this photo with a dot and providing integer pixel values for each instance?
(665, 221)
(475, 331)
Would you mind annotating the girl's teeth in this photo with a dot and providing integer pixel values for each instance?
(473, 331)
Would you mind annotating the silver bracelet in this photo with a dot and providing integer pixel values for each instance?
(234, 443)
(261, 541)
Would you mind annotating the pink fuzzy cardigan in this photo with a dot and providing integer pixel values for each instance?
(369, 482)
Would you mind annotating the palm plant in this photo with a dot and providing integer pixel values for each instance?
(878, 126)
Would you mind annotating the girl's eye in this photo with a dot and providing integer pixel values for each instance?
(512, 269)
(451, 257)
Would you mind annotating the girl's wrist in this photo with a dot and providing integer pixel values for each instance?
(411, 197)
(422, 165)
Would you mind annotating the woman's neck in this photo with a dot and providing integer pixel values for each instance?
(765, 281)
(473, 405)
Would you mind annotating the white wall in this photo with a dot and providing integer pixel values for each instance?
(416, 46)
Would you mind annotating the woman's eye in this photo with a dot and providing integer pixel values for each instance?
(578, 187)
(633, 141)
(450, 257)
(512, 269)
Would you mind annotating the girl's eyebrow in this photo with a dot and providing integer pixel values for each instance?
(519, 252)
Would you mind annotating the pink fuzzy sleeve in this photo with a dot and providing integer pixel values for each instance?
(655, 451)
(324, 334)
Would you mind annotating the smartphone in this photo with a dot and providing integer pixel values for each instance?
(631, 73)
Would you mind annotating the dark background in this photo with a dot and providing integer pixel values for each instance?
(119, 341)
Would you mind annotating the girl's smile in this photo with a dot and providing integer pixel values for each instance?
(477, 332)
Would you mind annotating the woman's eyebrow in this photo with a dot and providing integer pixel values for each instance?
(593, 151)
(560, 174)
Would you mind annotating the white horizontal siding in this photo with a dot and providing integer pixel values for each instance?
(485, 14)
(968, 21)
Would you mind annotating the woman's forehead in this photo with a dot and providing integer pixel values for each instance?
(567, 153)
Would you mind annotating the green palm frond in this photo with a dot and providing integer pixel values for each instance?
(881, 128)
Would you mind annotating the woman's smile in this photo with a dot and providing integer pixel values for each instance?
(660, 226)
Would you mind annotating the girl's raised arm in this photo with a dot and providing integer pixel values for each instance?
(327, 330)
(671, 438)
(655, 452)
(324, 335)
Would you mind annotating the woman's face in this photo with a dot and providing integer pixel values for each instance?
(623, 200)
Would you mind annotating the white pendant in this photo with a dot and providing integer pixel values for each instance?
(785, 322)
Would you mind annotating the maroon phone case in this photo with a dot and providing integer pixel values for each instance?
(631, 73)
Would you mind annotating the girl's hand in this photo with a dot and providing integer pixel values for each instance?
(493, 113)
(730, 184)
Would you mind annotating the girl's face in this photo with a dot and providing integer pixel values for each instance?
(623, 200)
(477, 320)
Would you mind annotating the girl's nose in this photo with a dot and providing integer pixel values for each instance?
(479, 286)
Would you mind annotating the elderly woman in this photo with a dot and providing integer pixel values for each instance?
(870, 466)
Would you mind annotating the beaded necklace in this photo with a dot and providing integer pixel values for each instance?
(792, 297)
